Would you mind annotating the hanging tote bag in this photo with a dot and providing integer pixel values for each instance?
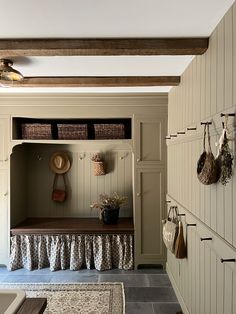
(170, 228)
(206, 166)
(180, 245)
(59, 194)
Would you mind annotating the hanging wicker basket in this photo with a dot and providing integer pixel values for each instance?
(99, 168)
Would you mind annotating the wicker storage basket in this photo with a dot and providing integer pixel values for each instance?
(109, 131)
(99, 168)
(36, 131)
(72, 131)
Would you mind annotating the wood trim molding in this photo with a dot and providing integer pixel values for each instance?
(98, 81)
(102, 46)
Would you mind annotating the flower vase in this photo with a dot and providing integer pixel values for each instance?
(110, 216)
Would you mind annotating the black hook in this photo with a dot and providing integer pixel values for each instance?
(181, 215)
(181, 132)
(227, 260)
(191, 129)
(168, 138)
(227, 114)
(173, 135)
(191, 225)
(205, 239)
(208, 123)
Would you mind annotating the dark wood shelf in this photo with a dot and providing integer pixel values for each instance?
(72, 226)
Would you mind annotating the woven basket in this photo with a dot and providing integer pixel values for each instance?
(36, 131)
(99, 168)
(72, 131)
(206, 165)
(109, 131)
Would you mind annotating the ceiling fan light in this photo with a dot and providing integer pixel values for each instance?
(7, 73)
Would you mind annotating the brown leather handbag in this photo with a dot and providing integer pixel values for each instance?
(59, 195)
(180, 245)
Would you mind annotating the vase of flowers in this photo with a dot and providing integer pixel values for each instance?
(109, 207)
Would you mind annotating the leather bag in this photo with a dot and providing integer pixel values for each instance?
(170, 228)
(59, 195)
(180, 245)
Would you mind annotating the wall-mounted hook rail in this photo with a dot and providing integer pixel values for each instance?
(191, 225)
(227, 114)
(181, 215)
(191, 129)
(181, 132)
(173, 135)
(205, 239)
(227, 260)
(208, 123)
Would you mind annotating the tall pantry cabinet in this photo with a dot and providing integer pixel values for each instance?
(150, 188)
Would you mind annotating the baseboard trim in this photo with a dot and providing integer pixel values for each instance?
(177, 292)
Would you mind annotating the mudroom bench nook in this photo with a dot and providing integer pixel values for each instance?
(72, 243)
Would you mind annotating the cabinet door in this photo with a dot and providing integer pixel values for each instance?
(150, 140)
(4, 235)
(150, 190)
(3, 141)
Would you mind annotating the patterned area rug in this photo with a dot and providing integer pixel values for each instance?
(104, 298)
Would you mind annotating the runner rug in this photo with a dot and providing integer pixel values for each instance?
(104, 298)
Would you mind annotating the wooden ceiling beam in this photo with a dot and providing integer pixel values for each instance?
(102, 47)
(101, 81)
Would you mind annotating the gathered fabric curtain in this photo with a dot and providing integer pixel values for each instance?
(74, 252)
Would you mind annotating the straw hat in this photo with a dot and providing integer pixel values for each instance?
(59, 162)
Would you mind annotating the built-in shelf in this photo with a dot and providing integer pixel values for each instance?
(90, 123)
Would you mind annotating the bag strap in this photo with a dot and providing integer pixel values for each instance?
(208, 137)
(56, 179)
(204, 138)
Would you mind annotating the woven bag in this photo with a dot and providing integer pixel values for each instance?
(170, 229)
(206, 165)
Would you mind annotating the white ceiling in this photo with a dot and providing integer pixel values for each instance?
(107, 18)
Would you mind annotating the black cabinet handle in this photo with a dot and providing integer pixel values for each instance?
(227, 260)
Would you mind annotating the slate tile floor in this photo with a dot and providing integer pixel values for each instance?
(147, 291)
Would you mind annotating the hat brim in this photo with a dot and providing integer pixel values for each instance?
(66, 166)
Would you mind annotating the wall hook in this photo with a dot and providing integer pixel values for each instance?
(227, 260)
(181, 215)
(227, 114)
(204, 123)
(82, 156)
(191, 225)
(205, 239)
(191, 129)
(167, 138)
(173, 135)
(181, 132)
(124, 156)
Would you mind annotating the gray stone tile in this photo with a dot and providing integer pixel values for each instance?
(128, 280)
(166, 308)
(150, 294)
(3, 269)
(158, 280)
(26, 278)
(138, 308)
(75, 278)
